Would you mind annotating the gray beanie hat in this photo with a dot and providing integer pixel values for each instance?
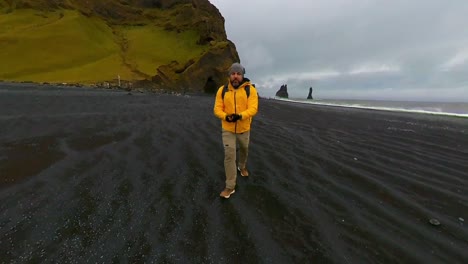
(237, 67)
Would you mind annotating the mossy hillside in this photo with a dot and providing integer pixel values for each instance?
(152, 47)
(4, 7)
(58, 47)
(66, 46)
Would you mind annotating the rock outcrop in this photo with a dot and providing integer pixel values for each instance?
(209, 71)
(283, 91)
(310, 93)
(206, 74)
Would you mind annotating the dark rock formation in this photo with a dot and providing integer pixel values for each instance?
(310, 94)
(283, 91)
(206, 74)
(209, 71)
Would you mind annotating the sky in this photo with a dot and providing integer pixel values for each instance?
(410, 50)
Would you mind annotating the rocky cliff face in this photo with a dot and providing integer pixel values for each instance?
(202, 73)
(208, 73)
(210, 70)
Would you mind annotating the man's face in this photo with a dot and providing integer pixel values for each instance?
(236, 79)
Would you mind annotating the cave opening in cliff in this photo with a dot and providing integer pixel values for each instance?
(210, 86)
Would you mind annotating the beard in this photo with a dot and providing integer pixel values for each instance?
(236, 83)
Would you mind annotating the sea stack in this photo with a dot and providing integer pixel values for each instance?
(283, 91)
(310, 94)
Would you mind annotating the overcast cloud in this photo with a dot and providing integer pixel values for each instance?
(360, 49)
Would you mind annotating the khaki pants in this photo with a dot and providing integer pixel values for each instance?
(229, 142)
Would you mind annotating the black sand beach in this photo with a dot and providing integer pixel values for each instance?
(104, 176)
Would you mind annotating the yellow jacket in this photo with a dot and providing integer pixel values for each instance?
(236, 102)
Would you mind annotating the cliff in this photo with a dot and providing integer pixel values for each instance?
(160, 44)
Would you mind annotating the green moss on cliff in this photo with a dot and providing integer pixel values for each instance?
(150, 47)
(66, 46)
(60, 46)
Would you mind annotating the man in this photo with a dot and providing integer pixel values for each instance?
(236, 103)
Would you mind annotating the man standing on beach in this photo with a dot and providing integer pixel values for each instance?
(236, 103)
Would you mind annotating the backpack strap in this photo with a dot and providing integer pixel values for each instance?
(225, 89)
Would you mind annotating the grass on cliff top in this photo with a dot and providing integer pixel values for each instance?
(65, 46)
(152, 47)
(51, 47)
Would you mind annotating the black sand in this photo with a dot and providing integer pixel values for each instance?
(100, 176)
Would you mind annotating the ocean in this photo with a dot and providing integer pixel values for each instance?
(459, 109)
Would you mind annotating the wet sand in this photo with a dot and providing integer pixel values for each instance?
(104, 176)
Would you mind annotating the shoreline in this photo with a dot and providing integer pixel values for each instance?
(33, 85)
(379, 108)
(165, 91)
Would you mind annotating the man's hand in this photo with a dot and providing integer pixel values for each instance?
(233, 117)
(236, 117)
(229, 118)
